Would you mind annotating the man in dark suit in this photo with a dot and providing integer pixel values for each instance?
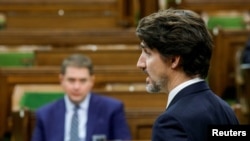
(176, 52)
(97, 118)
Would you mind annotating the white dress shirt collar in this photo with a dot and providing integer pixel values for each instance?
(70, 105)
(178, 88)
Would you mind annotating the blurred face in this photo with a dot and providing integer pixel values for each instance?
(77, 83)
(155, 67)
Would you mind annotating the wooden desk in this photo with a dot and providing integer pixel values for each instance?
(67, 37)
(227, 42)
(65, 14)
(112, 56)
(243, 91)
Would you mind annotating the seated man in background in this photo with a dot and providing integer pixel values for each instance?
(81, 115)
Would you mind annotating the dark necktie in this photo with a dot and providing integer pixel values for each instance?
(74, 126)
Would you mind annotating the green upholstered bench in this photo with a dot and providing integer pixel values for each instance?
(10, 59)
(34, 100)
(232, 22)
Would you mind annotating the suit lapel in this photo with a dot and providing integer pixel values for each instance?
(59, 120)
(92, 116)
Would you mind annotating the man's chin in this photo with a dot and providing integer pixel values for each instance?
(151, 89)
(76, 100)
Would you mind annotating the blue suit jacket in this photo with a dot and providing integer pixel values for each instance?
(105, 116)
(190, 112)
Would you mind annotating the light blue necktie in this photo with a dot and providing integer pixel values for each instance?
(74, 126)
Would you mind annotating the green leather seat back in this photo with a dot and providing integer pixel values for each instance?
(34, 100)
(232, 22)
(12, 59)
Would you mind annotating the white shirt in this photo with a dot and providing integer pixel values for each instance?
(82, 113)
(178, 88)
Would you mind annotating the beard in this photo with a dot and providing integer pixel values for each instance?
(155, 86)
(151, 88)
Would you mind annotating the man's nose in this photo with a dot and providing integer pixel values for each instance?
(140, 63)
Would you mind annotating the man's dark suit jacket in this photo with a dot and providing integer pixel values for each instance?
(190, 112)
(105, 116)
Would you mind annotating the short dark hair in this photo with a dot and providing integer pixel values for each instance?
(179, 32)
(79, 61)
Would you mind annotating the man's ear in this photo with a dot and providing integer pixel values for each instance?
(175, 60)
